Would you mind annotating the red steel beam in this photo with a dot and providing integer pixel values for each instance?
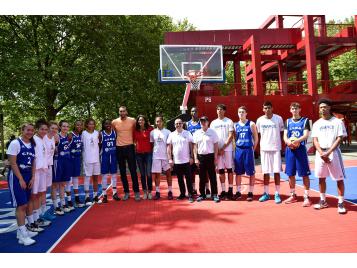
(310, 55)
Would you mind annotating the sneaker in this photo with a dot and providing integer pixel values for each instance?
(181, 197)
(78, 202)
(145, 196)
(200, 198)
(116, 197)
(88, 201)
(190, 199)
(48, 216)
(97, 200)
(137, 196)
(194, 192)
(126, 196)
(105, 199)
(25, 240)
(216, 199)
(250, 197)
(58, 211)
(277, 198)
(66, 209)
(222, 196)
(230, 194)
(42, 223)
(33, 227)
(70, 205)
(307, 202)
(341, 208)
(157, 196)
(29, 233)
(321, 205)
(208, 193)
(264, 197)
(170, 196)
(150, 196)
(237, 196)
(292, 199)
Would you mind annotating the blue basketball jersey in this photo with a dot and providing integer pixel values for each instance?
(64, 147)
(296, 129)
(244, 135)
(76, 145)
(191, 127)
(25, 158)
(108, 143)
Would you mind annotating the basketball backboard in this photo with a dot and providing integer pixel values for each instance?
(177, 60)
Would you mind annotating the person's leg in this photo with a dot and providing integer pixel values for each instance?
(187, 173)
(169, 182)
(179, 169)
(122, 168)
(148, 171)
(132, 167)
(202, 172)
(322, 186)
(140, 159)
(292, 182)
(340, 190)
(211, 170)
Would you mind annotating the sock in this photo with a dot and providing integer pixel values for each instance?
(230, 185)
(87, 194)
(55, 203)
(30, 219)
(323, 196)
(86, 183)
(43, 209)
(170, 188)
(114, 181)
(292, 191)
(76, 195)
(266, 189)
(207, 185)
(158, 189)
(340, 199)
(67, 188)
(104, 183)
(223, 186)
(94, 194)
(277, 189)
(75, 183)
(23, 229)
(239, 187)
(69, 197)
(251, 188)
(35, 215)
(114, 190)
(306, 193)
(63, 202)
(193, 186)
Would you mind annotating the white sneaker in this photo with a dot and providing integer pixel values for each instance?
(145, 196)
(25, 240)
(42, 223)
(150, 196)
(341, 208)
(29, 234)
(66, 209)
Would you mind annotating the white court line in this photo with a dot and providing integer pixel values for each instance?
(72, 225)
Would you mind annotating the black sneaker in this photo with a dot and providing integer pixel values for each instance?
(181, 197)
(194, 192)
(97, 200)
(223, 194)
(115, 197)
(230, 194)
(70, 205)
(157, 196)
(170, 196)
(105, 199)
(237, 196)
(88, 201)
(201, 198)
(58, 211)
(66, 209)
(190, 199)
(78, 202)
(250, 196)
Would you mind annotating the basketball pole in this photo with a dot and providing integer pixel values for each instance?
(183, 107)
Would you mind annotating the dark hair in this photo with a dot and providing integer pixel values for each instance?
(146, 124)
(75, 122)
(32, 140)
(122, 106)
(295, 105)
(61, 123)
(243, 108)
(103, 122)
(40, 122)
(267, 103)
(50, 123)
(222, 106)
(87, 121)
(325, 101)
(159, 116)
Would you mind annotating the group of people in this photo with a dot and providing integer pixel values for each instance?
(49, 155)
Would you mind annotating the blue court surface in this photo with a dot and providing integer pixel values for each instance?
(331, 187)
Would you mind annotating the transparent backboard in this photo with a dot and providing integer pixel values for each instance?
(177, 60)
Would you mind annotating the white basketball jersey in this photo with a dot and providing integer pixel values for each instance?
(90, 147)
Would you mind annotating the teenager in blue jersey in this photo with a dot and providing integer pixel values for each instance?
(21, 155)
(62, 168)
(246, 138)
(296, 132)
(76, 159)
(108, 159)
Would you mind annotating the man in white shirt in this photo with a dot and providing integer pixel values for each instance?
(270, 127)
(224, 129)
(206, 155)
(179, 146)
(327, 134)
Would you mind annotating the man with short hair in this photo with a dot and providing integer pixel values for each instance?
(327, 134)
(270, 127)
(124, 127)
(224, 129)
(180, 154)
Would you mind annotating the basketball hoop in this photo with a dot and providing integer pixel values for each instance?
(195, 77)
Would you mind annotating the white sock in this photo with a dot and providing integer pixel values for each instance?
(306, 192)
(251, 188)
(158, 189)
(340, 199)
(230, 185)
(239, 187)
(23, 229)
(114, 190)
(63, 202)
(35, 215)
(86, 183)
(69, 197)
(43, 209)
(277, 189)
(68, 186)
(87, 194)
(323, 196)
(104, 183)
(30, 218)
(170, 188)
(75, 183)
(55, 203)
(292, 191)
(223, 186)
(94, 194)
(114, 181)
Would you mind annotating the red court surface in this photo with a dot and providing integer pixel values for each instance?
(229, 226)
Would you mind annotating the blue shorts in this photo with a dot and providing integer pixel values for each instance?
(63, 170)
(76, 166)
(109, 164)
(297, 160)
(18, 196)
(244, 161)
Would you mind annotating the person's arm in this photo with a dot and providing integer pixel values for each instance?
(16, 170)
(318, 148)
(33, 174)
(215, 153)
(191, 152)
(169, 154)
(255, 136)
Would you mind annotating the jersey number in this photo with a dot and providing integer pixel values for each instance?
(295, 134)
(242, 135)
(110, 144)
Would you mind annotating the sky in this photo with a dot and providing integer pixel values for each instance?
(204, 15)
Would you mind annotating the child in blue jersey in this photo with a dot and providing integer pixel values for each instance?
(107, 139)
(246, 137)
(62, 168)
(76, 159)
(21, 155)
(296, 132)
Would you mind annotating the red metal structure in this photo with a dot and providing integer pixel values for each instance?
(275, 61)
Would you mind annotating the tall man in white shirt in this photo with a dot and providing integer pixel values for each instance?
(327, 133)
(179, 146)
(270, 127)
(224, 129)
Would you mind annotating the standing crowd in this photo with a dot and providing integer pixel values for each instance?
(48, 155)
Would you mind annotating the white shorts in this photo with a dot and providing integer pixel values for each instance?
(91, 169)
(335, 169)
(159, 165)
(225, 161)
(271, 162)
(40, 181)
(49, 176)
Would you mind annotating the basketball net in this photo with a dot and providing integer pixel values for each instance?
(195, 77)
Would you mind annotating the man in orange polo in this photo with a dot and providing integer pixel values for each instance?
(124, 127)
